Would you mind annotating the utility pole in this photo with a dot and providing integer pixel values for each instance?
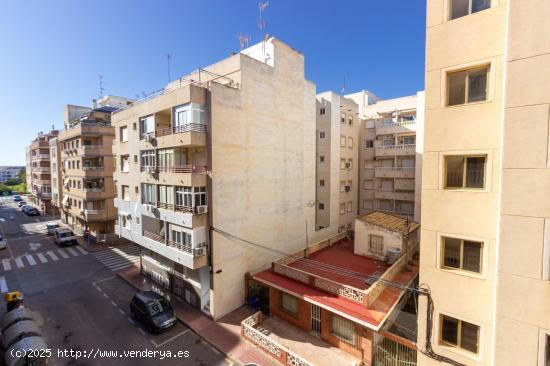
(168, 57)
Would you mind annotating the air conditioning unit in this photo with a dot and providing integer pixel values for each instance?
(348, 165)
(148, 138)
(348, 189)
(201, 209)
(198, 251)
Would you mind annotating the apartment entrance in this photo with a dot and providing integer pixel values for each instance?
(315, 319)
(258, 296)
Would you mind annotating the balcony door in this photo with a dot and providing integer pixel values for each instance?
(315, 319)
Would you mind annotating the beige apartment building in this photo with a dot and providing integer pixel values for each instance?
(485, 248)
(55, 169)
(216, 174)
(337, 161)
(86, 168)
(389, 157)
(39, 173)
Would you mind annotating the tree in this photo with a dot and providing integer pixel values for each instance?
(13, 181)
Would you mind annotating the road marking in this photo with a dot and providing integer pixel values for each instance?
(131, 320)
(105, 295)
(157, 345)
(105, 279)
(3, 284)
(114, 304)
(121, 311)
(31, 260)
(41, 257)
(19, 262)
(98, 289)
(73, 252)
(141, 331)
(62, 252)
(81, 250)
(34, 246)
(52, 255)
(7, 265)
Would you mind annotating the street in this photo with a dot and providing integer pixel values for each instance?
(80, 303)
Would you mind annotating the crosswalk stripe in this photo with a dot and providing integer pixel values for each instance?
(52, 255)
(3, 284)
(116, 259)
(30, 259)
(119, 257)
(19, 262)
(41, 257)
(7, 265)
(121, 266)
(73, 252)
(62, 252)
(81, 250)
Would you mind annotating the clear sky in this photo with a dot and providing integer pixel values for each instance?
(52, 52)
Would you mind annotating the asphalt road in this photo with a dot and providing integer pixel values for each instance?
(81, 305)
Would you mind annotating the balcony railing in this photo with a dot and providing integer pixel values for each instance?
(40, 168)
(92, 168)
(195, 169)
(95, 189)
(182, 247)
(388, 122)
(397, 147)
(167, 206)
(164, 131)
(40, 156)
(154, 237)
(407, 215)
(179, 246)
(394, 169)
(89, 147)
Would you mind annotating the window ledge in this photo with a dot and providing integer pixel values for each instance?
(479, 276)
(474, 190)
(461, 352)
(469, 104)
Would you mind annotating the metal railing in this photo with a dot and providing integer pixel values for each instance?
(391, 147)
(100, 189)
(180, 169)
(394, 169)
(154, 237)
(93, 168)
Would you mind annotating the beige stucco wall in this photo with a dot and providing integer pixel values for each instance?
(472, 128)
(363, 230)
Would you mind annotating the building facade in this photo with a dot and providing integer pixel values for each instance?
(215, 175)
(55, 169)
(485, 252)
(86, 168)
(39, 173)
(9, 172)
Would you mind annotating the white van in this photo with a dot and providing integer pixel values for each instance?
(64, 237)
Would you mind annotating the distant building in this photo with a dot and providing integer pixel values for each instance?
(9, 172)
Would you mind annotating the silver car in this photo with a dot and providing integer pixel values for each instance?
(50, 228)
(3, 244)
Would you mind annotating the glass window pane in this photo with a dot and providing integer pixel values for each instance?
(449, 330)
(468, 337)
(479, 5)
(475, 172)
(477, 85)
(455, 172)
(456, 85)
(459, 8)
(451, 254)
(471, 256)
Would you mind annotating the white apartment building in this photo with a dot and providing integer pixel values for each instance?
(9, 172)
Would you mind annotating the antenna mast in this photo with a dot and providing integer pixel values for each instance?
(101, 88)
(168, 57)
(243, 40)
(262, 5)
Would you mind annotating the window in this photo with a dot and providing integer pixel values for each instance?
(350, 120)
(342, 164)
(134, 126)
(348, 186)
(342, 118)
(289, 304)
(321, 206)
(125, 193)
(367, 204)
(369, 144)
(123, 134)
(349, 165)
(342, 208)
(135, 159)
(165, 157)
(184, 197)
(408, 140)
(321, 159)
(368, 164)
(148, 194)
(342, 329)
(462, 254)
(166, 196)
(342, 141)
(126, 221)
(321, 183)
(349, 206)
(125, 163)
(376, 244)
(350, 142)
(146, 126)
(368, 184)
(136, 189)
(467, 86)
(79, 183)
(148, 158)
(460, 8)
(188, 114)
(178, 235)
(200, 196)
(465, 171)
(459, 334)
(322, 111)
(321, 135)
(342, 186)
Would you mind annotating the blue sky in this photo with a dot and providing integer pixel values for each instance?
(52, 52)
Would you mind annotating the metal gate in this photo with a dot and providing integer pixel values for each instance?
(315, 319)
(391, 353)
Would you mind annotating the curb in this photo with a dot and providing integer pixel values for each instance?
(187, 325)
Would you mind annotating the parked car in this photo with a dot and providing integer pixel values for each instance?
(50, 228)
(31, 211)
(17, 198)
(25, 207)
(3, 244)
(64, 237)
(22, 203)
(153, 311)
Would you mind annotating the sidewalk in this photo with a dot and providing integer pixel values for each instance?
(224, 334)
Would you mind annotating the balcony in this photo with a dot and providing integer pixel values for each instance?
(396, 150)
(40, 157)
(394, 172)
(184, 254)
(44, 169)
(190, 134)
(44, 195)
(187, 175)
(42, 182)
(393, 194)
(388, 126)
(96, 215)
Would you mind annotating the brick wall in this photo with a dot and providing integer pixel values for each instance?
(301, 320)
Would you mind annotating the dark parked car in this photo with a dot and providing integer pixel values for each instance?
(22, 203)
(31, 211)
(153, 311)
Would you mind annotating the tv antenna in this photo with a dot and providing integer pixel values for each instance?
(262, 5)
(243, 40)
(344, 86)
(101, 88)
(168, 57)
